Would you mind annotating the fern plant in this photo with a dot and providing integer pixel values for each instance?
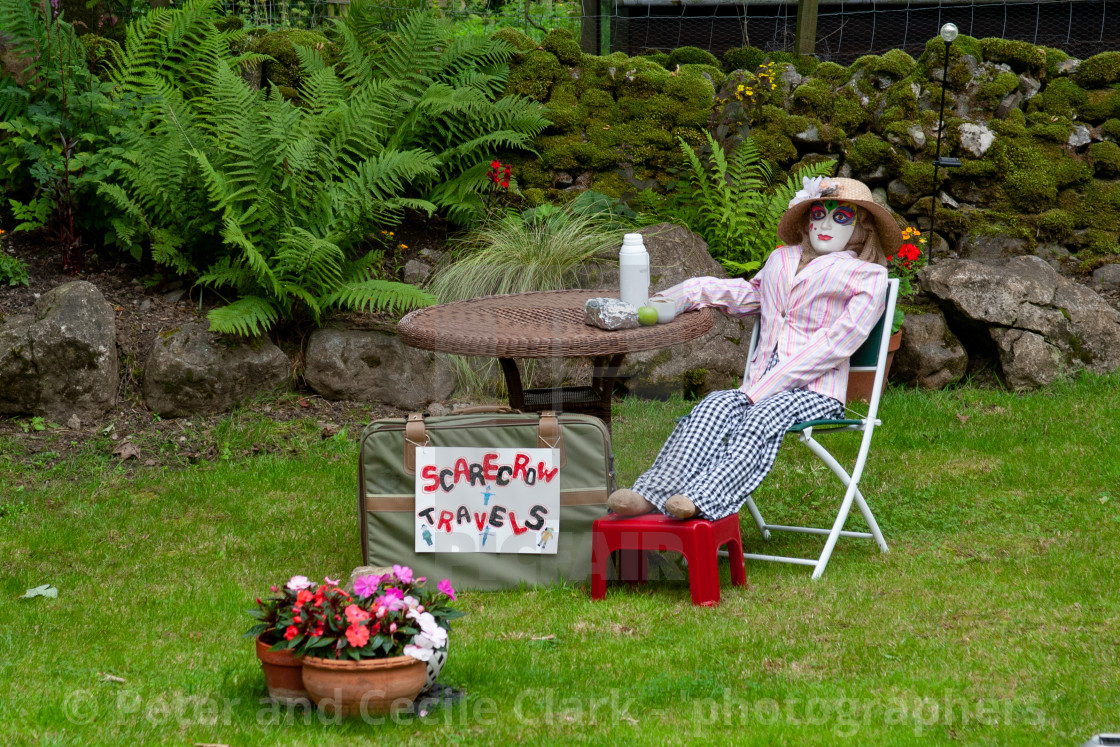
(733, 202)
(289, 193)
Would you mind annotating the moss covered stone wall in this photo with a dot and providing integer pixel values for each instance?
(1035, 130)
(616, 120)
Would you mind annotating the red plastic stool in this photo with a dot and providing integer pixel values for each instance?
(696, 539)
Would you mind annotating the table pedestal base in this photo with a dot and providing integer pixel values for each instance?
(590, 400)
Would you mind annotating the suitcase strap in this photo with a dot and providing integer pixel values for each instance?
(549, 436)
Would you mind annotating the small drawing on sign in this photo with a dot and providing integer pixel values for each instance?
(426, 534)
(543, 538)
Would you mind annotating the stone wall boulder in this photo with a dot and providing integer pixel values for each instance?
(61, 360)
(931, 356)
(1041, 324)
(714, 361)
(193, 371)
(373, 365)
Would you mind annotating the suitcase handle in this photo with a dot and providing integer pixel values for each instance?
(549, 434)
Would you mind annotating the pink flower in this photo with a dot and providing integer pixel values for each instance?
(445, 587)
(355, 614)
(330, 581)
(392, 600)
(366, 586)
(357, 635)
(403, 573)
(392, 627)
(295, 583)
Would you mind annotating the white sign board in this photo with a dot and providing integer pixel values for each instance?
(487, 500)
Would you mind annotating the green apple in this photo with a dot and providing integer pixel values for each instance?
(647, 316)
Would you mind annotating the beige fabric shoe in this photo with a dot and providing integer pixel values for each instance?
(626, 502)
(680, 507)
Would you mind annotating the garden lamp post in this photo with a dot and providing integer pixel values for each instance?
(948, 34)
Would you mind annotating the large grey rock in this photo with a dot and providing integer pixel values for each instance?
(991, 247)
(1080, 136)
(61, 359)
(372, 365)
(193, 371)
(1041, 323)
(930, 356)
(1107, 277)
(712, 362)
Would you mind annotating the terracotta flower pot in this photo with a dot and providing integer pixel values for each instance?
(363, 688)
(283, 674)
(860, 383)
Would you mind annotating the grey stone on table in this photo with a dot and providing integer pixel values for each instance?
(193, 371)
(610, 313)
(371, 365)
(60, 359)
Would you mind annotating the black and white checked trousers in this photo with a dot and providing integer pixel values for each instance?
(720, 453)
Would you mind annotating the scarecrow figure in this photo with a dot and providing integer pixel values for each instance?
(818, 296)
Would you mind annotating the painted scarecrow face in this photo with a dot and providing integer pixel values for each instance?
(831, 224)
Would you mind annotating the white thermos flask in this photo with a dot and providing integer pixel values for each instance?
(633, 270)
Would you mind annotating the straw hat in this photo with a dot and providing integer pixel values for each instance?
(838, 188)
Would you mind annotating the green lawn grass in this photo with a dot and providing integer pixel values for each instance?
(993, 620)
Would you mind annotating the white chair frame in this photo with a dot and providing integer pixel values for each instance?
(852, 494)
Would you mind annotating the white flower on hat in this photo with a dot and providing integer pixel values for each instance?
(810, 190)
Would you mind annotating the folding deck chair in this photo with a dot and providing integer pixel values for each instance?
(871, 356)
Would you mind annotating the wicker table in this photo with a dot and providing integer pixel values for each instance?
(548, 324)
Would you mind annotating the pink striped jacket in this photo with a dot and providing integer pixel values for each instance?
(814, 319)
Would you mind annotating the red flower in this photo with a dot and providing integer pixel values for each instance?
(509, 169)
(357, 635)
(291, 632)
(495, 165)
(890, 258)
(297, 619)
(317, 631)
(505, 184)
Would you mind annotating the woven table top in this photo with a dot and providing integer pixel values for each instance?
(547, 324)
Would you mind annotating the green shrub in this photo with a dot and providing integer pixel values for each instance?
(1054, 129)
(410, 123)
(513, 254)
(775, 146)
(733, 202)
(1023, 57)
(1105, 159)
(691, 56)
(1099, 70)
(713, 75)
(561, 44)
(743, 58)
(1055, 224)
(13, 270)
(803, 64)
(1111, 129)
